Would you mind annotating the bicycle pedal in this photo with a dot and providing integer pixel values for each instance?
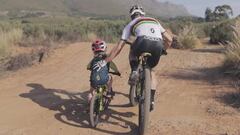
(108, 96)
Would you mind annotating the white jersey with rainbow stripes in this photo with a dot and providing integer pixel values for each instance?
(143, 26)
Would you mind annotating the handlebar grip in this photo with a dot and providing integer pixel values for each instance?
(127, 42)
(114, 73)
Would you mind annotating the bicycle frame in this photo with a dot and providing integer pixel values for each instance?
(100, 93)
(99, 103)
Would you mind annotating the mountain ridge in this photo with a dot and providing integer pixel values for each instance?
(94, 7)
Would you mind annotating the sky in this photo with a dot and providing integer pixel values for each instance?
(198, 7)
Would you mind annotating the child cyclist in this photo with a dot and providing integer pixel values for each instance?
(100, 76)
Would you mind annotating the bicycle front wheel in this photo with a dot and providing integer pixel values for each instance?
(94, 110)
(144, 104)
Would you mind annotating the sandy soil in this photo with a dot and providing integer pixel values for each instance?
(193, 97)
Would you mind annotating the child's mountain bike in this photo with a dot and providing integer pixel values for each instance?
(100, 102)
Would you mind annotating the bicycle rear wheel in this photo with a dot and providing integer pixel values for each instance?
(94, 110)
(134, 94)
(144, 104)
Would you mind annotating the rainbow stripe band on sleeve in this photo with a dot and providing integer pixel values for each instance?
(142, 21)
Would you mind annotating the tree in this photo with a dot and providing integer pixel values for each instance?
(209, 16)
(223, 12)
(220, 13)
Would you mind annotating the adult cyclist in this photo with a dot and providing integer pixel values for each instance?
(149, 35)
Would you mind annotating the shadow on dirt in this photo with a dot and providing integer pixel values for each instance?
(121, 105)
(231, 99)
(71, 108)
(216, 77)
(210, 75)
(209, 50)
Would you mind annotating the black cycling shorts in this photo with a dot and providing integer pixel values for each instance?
(147, 44)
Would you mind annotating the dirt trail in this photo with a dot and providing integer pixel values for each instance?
(50, 98)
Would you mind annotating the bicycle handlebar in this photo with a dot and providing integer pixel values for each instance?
(114, 73)
(127, 42)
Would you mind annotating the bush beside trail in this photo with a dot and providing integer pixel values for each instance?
(222, 33)
(8, 39)
(25, 59)
(61, 29)
(232, 62)
(73, 30)
(187, 39)
(47, 33)
(50, 32)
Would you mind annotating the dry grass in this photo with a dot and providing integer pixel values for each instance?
(7, 39)
(232, 61)
(188, 39)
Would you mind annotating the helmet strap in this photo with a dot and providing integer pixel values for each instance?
(136, 15)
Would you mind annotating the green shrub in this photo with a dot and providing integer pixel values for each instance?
(221, 33)
(48, 32)
(73, 29)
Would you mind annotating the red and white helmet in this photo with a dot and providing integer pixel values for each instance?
(99, 46)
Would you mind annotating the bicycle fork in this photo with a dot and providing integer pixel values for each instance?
(100, 93)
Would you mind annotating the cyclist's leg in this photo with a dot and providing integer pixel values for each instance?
(93, 86)
(110, 81)
(133, 60)
(90, 94)
(133, 64)
(110, 92)
(153, 88)
(154, 80)
(156, 51)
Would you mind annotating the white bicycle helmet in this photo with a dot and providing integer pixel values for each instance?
(136, 9)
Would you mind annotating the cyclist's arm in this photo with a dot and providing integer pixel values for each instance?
(89, 66)
(115, 51)
(167, 39)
